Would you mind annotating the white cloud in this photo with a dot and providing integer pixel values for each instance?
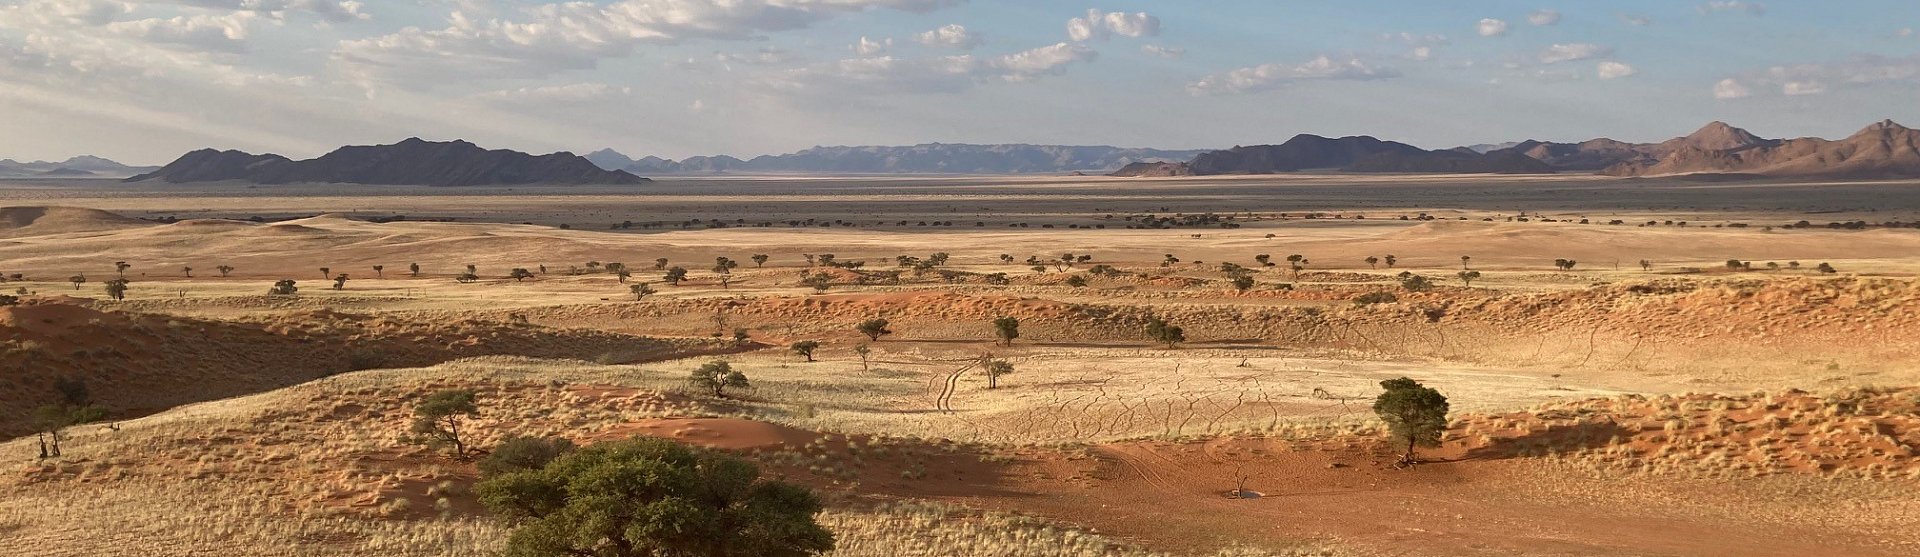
(576, 35)
(1815, 79)
(1170, 52)
(1798, 88)
(1491, 27)
(1046, 60)
(1544, 17)
(766, 56)
(1615, 70)
(1573, 52)
(1731, 88)
(1099, 25)
(1904, 32)
(1421, 53)
(878, 75)
(330, 10)
(222, 33)
(953, 36)
(573, 93)
(870, 47)
(1420, 46)
(1716, 6)
(1636, 20)
(1268, 77)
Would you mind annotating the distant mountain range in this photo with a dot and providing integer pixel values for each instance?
(930, 158)
(1883, 150)
(84, 166)
(410, 162)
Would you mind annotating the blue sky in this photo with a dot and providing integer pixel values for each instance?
(147, 80)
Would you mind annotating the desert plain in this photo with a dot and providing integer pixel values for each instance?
(1635, 366)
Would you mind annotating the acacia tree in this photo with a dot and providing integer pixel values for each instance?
(1415, 414)
(995, 369)
(1468, 276)
(437, 419)
(340, 281)
(224, 269)
(675, 275)
(660, 264)
(716, 377)
(326, 272)
(519, 274)
(121, 267)
(1391, 260)
(865, 353)
(414, 268)
(1242, 283)
(1646, 265)
(283, 287)
(640, 291)
(1373, 262)
(1463, 261)
(379, 271)
(1164, 333)
(805, 348)
(650, 497)
(188, 271)
(874, 329)
(77, 280)
(117, 289)
(52, 420)
(759, 259)
(1007, 328)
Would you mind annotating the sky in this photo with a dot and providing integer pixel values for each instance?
(143, 81)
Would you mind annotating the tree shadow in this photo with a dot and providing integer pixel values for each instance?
(1555, 439)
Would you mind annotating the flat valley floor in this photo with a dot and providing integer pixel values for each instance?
(1636, 367)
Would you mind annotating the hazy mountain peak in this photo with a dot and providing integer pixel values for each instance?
(1720, 136)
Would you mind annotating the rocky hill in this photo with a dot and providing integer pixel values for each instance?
(1359, 154)
(76, 167)
(1153, 170)
(411, 162)
(1451, 162)
(1882, 150)
(930, 158)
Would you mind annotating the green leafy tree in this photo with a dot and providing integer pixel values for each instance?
(805, 348)
(759, 259)
(1391, 260)
(1007, 328)
(521, 454)
(52, 420)
(437, 419)
(640, 291)
(874, 329)
(1264, 259)
(1165, 333)
(649, 497)
(1467, 277)
(995, 369)
(1415, 414)
(716, 377)
(117, 289)
(675, 275)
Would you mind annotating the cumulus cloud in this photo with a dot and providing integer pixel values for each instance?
(1615, 70)
(1268, 77)
(1573, 52)
(944, 74)
(1735, 6)
(331, 10)
(1814, 79)
(871, 47)
(1098, 25)
(1731, 88)
(1491, 27)
(572, 93)
(1544, 17)
(1169, 52)
(1420, 47)
(219, 33)
(556, 37)
(953, 36)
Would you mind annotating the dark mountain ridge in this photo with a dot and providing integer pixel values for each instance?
(410, 162)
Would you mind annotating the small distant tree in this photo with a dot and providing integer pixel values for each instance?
(805, 348)
(740, 336)
(326, 272)
(1415, 414)
(224, 270)
(1168, 260)
(1007, 328)
(995, 369)
(1415, 283)
(1006, 258)
(117, 289)
(675, 275)
(819, 281)
(660, 264)
(77, 280)
(437, 419)
(413, 268)
(649, 497)
(1373, 262)
(759, 259)
(1468, 276)
(50, 422)
(340, 281)
(121, 267)
(1463, 261)
(1077, 281)
(466, 278)
(519, 274)
(1164, 333)
(1793, 265)
(1773, 265)
(379, 271)
(716, 377)
(473, 269)
(1242, 283)
(640, 291)
(874, 329)
(1646, 265)
(188, 271)
(864, 352)
(1264, 259)
(1391, 260)
(1826, 269)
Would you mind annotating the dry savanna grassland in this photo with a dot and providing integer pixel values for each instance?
(1634, 367)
